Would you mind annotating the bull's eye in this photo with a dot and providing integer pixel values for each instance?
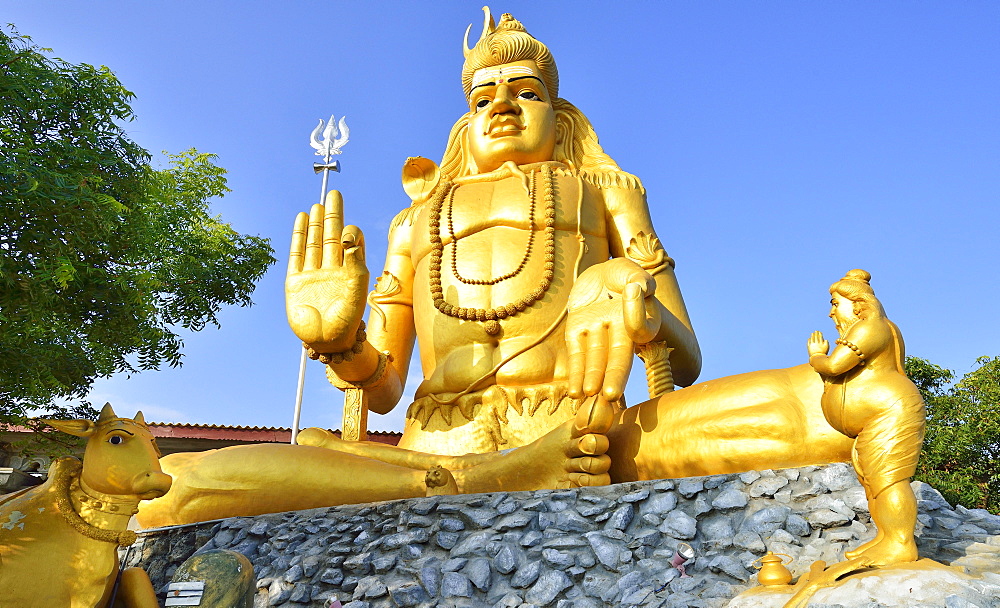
(116, 440)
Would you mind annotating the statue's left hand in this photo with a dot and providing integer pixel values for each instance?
(612, 307)
(817, 345)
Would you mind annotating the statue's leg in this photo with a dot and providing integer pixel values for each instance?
(885, 459)
(135, 590)
(268, 478)
(761, 420)
(894, 512)
(390, 454)
(879, 533)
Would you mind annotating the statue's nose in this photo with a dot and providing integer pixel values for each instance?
(504, 101)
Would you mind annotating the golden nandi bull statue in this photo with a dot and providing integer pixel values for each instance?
(59, 540)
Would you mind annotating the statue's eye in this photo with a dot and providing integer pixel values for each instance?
(529, 95)
(482, 103)
(116, 440)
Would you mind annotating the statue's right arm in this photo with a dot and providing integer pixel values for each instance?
(869, 338)
(390, 323)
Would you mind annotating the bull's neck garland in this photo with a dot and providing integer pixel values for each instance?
(490, 316)
(66, 483)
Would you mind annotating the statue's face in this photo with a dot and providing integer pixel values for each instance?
(513, 118)
(842, 312)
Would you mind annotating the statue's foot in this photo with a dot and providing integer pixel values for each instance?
(439, 481)
(888, 552)
(864, 547)
(571, 455)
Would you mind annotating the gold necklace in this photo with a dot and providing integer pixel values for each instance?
(490, 317)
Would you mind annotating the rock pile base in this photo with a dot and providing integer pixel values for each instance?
(581, 548)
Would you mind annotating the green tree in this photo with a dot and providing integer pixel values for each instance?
(102, 256)
(961, 453)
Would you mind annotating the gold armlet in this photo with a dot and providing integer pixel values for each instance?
(387, 291)
(375, 380)
(646, 251)
(348, 355)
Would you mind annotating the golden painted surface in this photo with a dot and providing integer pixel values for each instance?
(529, 270)
(58, 540)
(355, 427)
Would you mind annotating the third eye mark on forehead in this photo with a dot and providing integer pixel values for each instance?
(499, 72)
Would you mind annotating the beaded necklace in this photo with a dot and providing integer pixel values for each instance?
(527, 249)
(490, 316)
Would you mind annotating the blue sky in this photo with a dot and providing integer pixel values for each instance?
(781, 144)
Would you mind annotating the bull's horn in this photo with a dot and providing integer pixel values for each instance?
(107, 413)
(139, 418)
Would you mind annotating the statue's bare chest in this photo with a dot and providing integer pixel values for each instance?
(490, 213)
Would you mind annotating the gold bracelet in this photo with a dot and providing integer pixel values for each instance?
(348, 355)
(373, 381)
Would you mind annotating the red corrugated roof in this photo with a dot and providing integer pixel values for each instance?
(221, 431)
(241, 433)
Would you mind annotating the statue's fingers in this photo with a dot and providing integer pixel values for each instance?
(642, 318)
(298, 248)
(597, 361)
(620, 357)
(314, 239)
(576, 345)
(353, 241)
(333, 227)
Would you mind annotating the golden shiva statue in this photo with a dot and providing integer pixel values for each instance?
(529, 271)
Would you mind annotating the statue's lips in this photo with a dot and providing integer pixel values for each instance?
(504, 128)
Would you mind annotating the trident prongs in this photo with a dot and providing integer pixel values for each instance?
(333, 138)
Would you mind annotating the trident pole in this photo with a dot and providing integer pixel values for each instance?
(332, 140)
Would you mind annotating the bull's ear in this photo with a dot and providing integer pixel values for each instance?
(107, 413)
(80, 428)
(140, 418)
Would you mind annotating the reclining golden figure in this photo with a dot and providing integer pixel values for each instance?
(528, 268)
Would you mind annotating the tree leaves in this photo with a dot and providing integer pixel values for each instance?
(961, 454)
(102, 256)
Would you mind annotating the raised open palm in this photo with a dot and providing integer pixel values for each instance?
(327, 279)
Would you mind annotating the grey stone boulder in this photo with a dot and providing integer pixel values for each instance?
(456, 584)
(679, 525)
(549, 585)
